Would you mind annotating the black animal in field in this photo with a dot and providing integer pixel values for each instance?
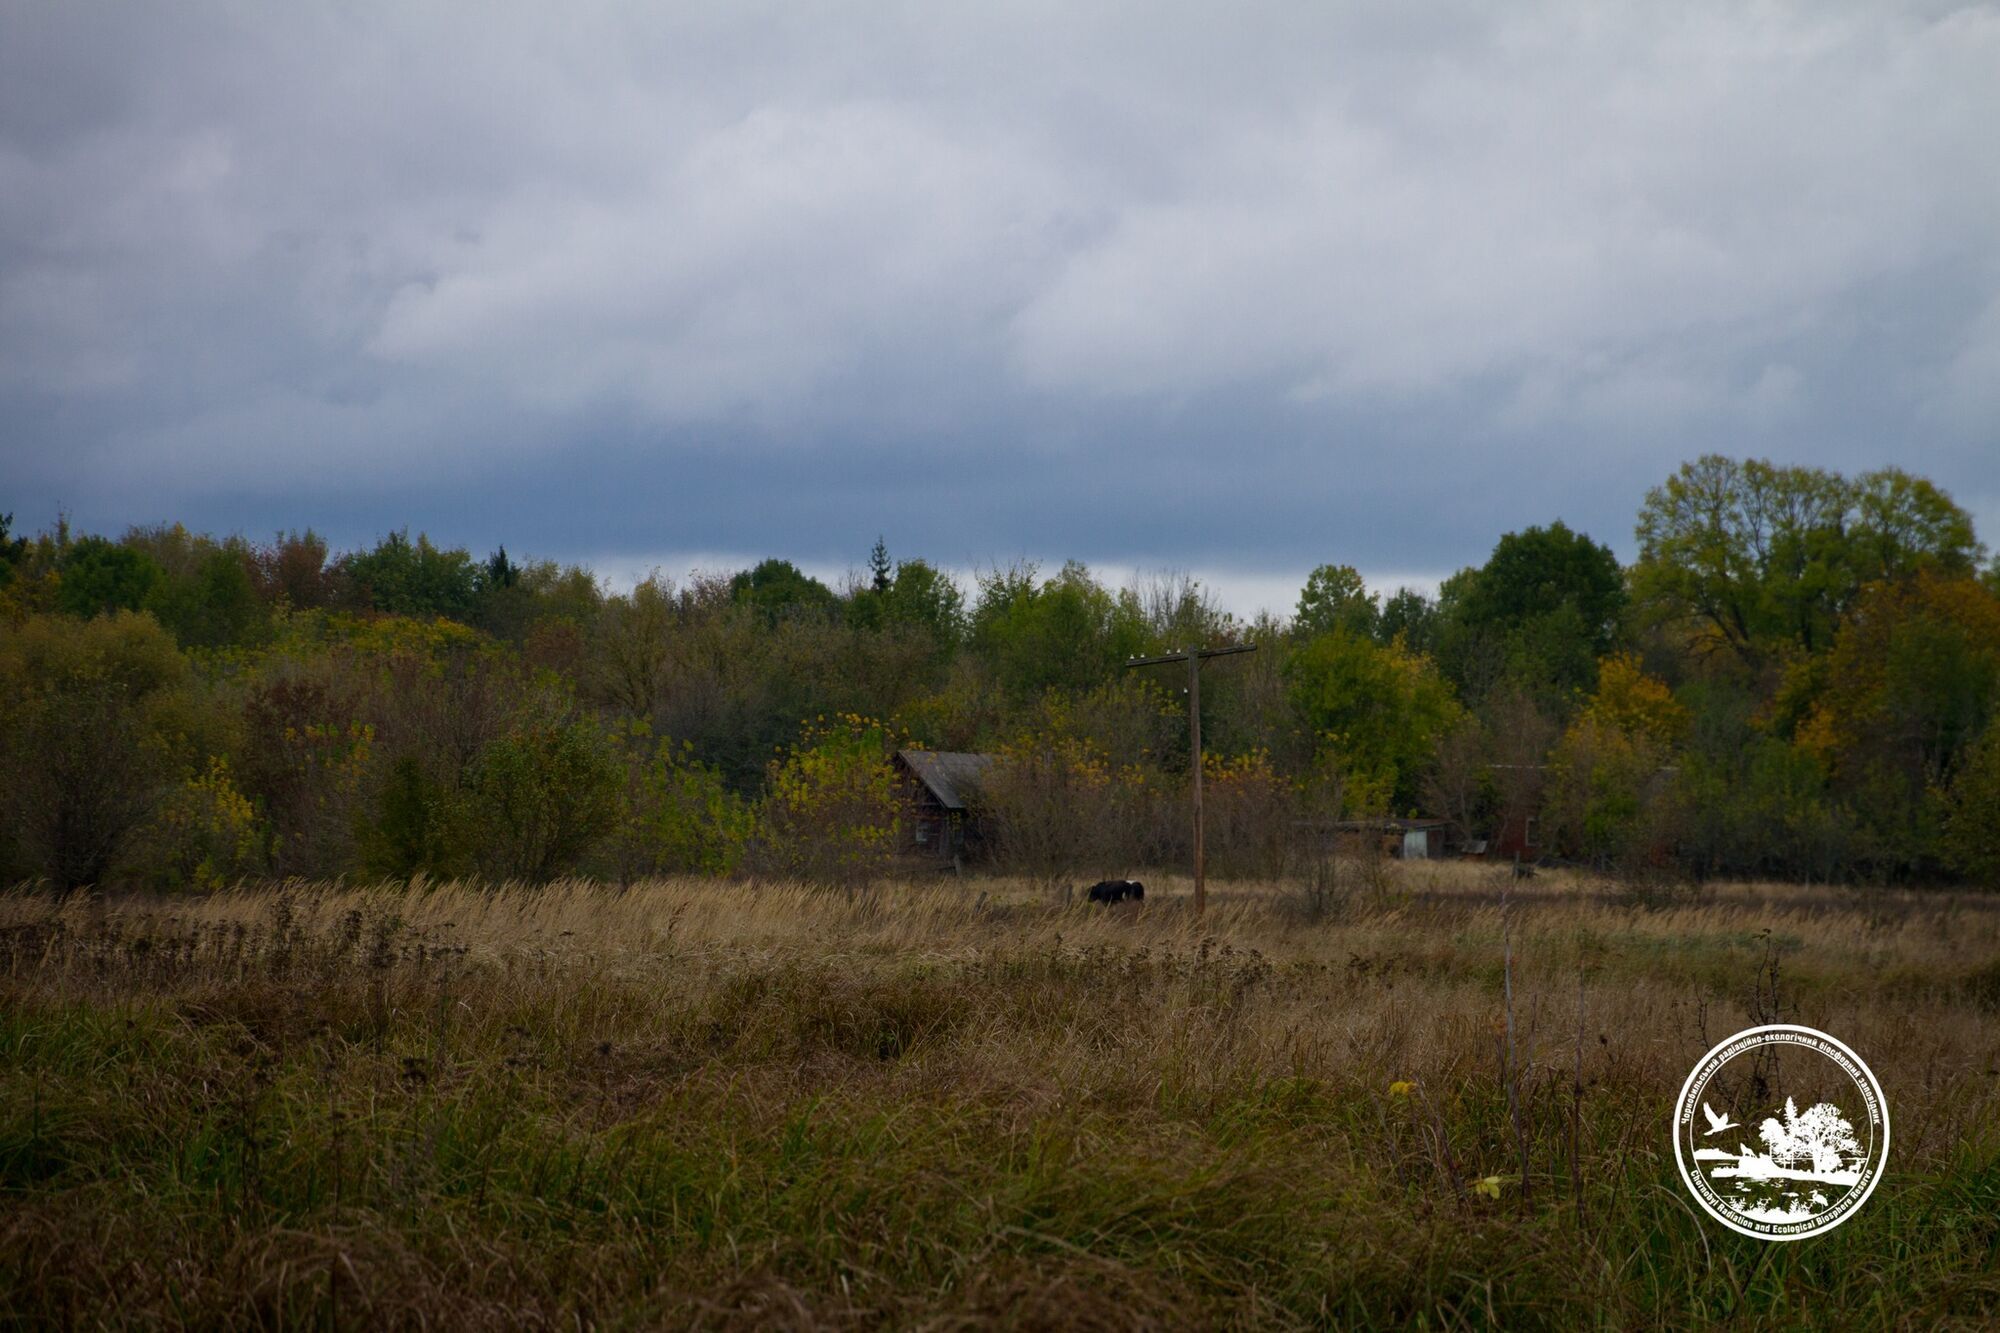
(1116, 890)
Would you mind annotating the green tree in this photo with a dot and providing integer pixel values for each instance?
(1540, 612)
(13, 550)
(1764, 810)
(778, 589)
(215, 604)
(1410, 616)
(415, 578)
(1375, 713)
(1752, 556)
(676, 814)
(909, 594)
(1335, 598)
(926, 599)
(98, 576)
(879, 568)
(1972, 812)
(1066, 632)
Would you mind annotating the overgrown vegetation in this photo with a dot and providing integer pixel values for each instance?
(755, 1106)
(1799, 678)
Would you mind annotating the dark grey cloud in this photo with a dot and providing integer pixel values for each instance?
(1141, 285)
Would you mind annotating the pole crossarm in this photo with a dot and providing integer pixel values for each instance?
(1192, 652)
(1193, 656)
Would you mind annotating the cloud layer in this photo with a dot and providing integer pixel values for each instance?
(1371, 283)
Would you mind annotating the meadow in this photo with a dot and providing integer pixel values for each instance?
(1439, 1099)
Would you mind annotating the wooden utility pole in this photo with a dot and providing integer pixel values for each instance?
(1193, 658)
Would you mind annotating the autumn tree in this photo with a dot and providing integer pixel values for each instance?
(1912, 681)
(1607, 774)
(1048, 805)
(831, 812)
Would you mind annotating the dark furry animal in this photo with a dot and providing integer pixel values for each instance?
(1116, 890)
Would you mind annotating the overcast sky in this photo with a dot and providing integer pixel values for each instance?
(1234, 289)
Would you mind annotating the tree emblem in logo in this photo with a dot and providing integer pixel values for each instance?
(1820, 1136)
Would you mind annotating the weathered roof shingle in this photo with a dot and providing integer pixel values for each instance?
(951, 777)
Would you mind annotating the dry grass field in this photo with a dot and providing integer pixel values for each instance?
(764, 1106)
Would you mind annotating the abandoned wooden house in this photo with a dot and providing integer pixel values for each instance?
(941, 789)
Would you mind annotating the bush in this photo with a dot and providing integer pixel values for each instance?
(420, 826)
(1047, 806)
(1251, 812)
(95, 718)
(1972, 813)
(676, 815)
(541, 799)
(205, 833)
(305, 757)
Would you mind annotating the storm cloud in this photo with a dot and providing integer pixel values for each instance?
(1236, 290)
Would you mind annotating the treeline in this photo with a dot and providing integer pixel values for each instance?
(1798, 677)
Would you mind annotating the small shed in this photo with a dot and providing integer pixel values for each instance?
(1409, 839)
(941, 788)
(1423, 839)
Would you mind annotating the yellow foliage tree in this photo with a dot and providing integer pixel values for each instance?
(205, 833)
(1607, 771)
(1635, 704)
(831, 812)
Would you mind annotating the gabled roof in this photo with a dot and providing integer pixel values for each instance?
(950, 777)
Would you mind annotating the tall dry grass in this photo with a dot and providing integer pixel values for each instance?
(703, 1103)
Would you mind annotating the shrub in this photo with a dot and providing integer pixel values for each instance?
(1251, 813)
(94, 721)
(676, 815)
(305, 756)
(204, 834)
(1972, 813)
(1047, 806)
(541, 799)
(420, 826)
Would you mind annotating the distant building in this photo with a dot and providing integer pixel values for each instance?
(1518, 835)
(940, 788)
(1407, 839)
